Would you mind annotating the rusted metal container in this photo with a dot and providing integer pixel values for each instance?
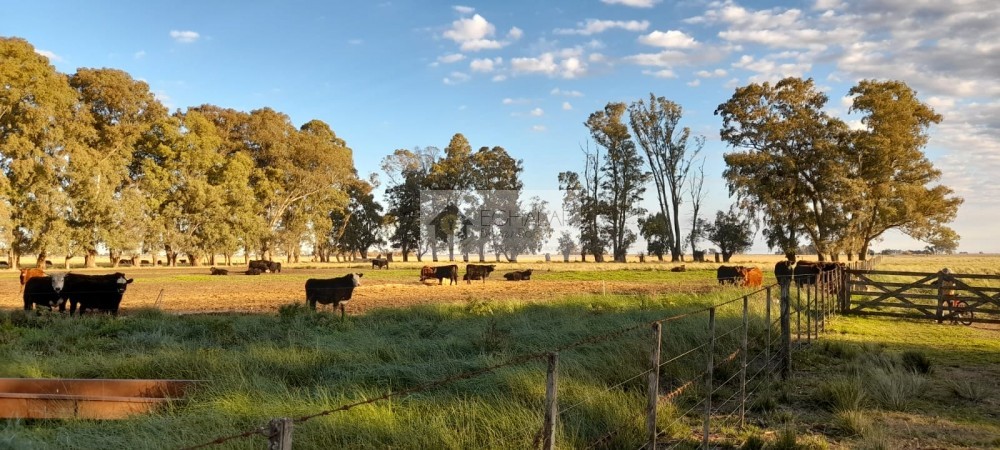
(65, 398)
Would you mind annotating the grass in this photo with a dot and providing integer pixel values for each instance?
(295, 363)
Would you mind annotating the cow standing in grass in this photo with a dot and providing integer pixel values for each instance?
(45, 292)
(100, 292)
(335, 291)
(478, 271)
(379, 263)
(440, 272)
(27, 274)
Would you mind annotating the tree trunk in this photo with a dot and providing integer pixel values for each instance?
(40, 262)
(90, 259)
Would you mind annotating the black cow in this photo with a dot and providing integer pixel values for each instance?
(805, 272)
(784, 271)
(518, 275)
(441, 272)
(337, 291)
(254, 271)
(478, 271)
(45, 292)
(4, 265)
(274, 266)
(378, 263)
(729, 274)
(100, 292)
(259, 264)
(219, 271)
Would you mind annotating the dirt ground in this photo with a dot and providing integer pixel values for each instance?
(192, 290)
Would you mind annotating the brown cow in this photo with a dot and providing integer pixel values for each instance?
(752, 277)
(426, 273)
(27, 274)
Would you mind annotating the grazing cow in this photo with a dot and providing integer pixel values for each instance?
(336, 291)
(729, 274)
(100, 292)
(477, 271)
(4, 265)
(144, 263)
(27, 274)
(274, 266)
(260, 264)
(379, 263)
(752, 277)
(680, 268)
(254, 271)
(219, 271)
(45, 292)
(806, 272)
(518, 275)
(440, 272)
(784, 271)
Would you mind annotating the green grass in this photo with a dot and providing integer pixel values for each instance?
(295, 363)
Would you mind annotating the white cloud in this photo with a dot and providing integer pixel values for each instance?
(498, 78)
(538, 128)
(464, 9)
(594, 26)
(485, 64)
(632, 3)
(694, 83)
(456, 78)
(355, 41)
(717, 73)
(768, 69)
(185, 36)
(450, 58)
(563, 64)
(537, 112)
(668, 39)
(515, 33)
(514, 101)
(666, 58)
(49, 54)
(139, 54)
(566, 106)
(472, 34)
(557, 91)
(664, 73)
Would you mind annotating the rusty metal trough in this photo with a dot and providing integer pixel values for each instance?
(65, 398)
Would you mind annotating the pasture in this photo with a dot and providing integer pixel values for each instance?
(262, 355)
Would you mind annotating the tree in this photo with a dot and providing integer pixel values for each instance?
(106, 208)
(567, 245)
(792, 175)
(361, 222)
(892, 171)
(450, 177)
(655, 229)
(581, 201)
(941, 240)
(40, 126)
(525, 230)
(697, 192)
(670, 157)
(624, 180)
(496, 178)
(407, 171)
(732, 233)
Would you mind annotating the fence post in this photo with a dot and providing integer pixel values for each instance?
(551, 411)
(798, 313)
(767, 347)
(809, 299)
(280, 434)
(654, 384)
(943, 293)
(708, 377)
(743, 366)
(786, 331)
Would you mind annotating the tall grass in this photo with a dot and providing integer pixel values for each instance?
(257, 367)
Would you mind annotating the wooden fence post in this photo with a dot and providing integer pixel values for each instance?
(551, 406)
(653, 394)
(280, 434)
(767, 347)
(743, 365)
(708, 377)
(944, 290)
(786, 331)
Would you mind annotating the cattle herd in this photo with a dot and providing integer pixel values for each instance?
(104, 292)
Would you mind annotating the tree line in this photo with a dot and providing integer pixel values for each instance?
(92, 160)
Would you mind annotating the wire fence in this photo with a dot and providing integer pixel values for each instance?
(694, 389)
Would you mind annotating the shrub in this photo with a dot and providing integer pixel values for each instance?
(753, 442)
(787, 439)
(916, 361)
(895, 389)
(852, 423)
(842, 394)
(969, 390)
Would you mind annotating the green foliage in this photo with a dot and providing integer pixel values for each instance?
(842, 394)
(916, 361)
(852, 422)
(731, 232)
(894, 389)
(969, 390)
(655, 229)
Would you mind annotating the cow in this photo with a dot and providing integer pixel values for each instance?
(100, 292)
(336, 291)
(784, 271)
(4, 265)
(680, 268)
(729, 274)
(752, 277)
(27, 274)
(219, 271)
(259, 264)
(518, 275)
(274, 266)
(379, 263)
(144, 263)
(440, 272)
(805, 273)
(478, 271)
(45, 292)
(254, 271)
(426, 273)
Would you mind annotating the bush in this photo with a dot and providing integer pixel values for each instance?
(852, 423)
(754, 442)
(916, 362)
(969, 390)
(895, 389)
(842, 394)
(787, 439)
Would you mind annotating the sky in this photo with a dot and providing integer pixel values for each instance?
(525, 75)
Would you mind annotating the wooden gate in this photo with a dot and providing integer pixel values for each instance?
(941, 296)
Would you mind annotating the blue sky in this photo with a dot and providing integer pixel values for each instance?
(526, 74)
